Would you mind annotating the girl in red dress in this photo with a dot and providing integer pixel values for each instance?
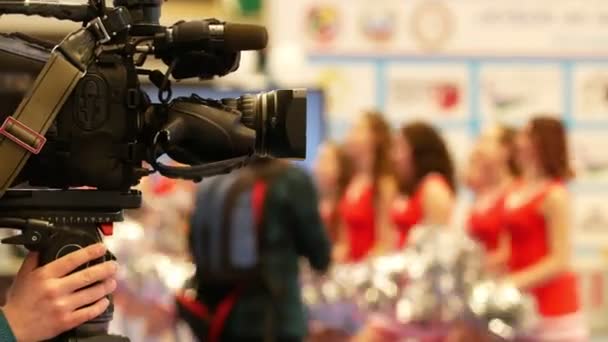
(364, 206)
(425, 176)
(332, 173)
(537, 218)
(491, 171)
(425, 180)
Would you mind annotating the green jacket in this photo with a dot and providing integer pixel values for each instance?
(291, 215)
(6, 334)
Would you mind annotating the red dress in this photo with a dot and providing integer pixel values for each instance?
(487, 225)
(358, 215)
(406, 214)
(529, 244)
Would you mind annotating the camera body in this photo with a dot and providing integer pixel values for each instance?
(108, 126)
(97, 139)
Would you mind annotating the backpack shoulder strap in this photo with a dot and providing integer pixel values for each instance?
(209, 199)
(265, 176)
(260, 189)
(244, 180)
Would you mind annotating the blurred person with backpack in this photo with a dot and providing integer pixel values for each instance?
(248, 232)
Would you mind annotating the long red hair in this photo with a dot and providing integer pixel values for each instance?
(507, 140)
(429, 154)
(345, 173)
(382, 140)
(551, 142)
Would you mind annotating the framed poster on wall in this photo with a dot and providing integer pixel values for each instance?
(349, 89)
(514, 92)
(590, 92)
(588, 148)
(429, 91)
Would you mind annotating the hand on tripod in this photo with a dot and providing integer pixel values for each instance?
(46, 301)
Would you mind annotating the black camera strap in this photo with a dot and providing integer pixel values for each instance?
(22, 134)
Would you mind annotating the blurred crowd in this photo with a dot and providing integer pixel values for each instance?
(373, 188)
(378, 184)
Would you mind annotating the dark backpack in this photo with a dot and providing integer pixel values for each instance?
(227, 242)
(225, 239)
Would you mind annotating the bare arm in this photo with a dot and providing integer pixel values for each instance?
(556, 210)
(385, 230)
(340, 250)
(497, 260)
(437, 203)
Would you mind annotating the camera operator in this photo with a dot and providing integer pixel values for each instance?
(46, 301)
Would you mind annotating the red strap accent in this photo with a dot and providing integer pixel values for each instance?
(107, 229)
(164, 186)
(217, 322)
(221, 315)
(194, 306)
(259, 196)
(37, 140)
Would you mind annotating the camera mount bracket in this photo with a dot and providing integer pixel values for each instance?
(72, 220)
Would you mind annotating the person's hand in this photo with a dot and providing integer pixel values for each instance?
(46, 301)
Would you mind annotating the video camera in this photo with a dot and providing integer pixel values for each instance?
(108, 125)
(86, 121)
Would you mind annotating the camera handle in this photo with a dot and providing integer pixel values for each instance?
(54, 9)
(56, 223)
(53, 242)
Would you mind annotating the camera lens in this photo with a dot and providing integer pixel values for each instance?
(279, 119)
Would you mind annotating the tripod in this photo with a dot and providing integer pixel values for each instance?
(56, 223)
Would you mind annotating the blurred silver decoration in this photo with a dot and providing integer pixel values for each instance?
(438, 279)
(146, 276)
(504, 309)
(152, 275)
